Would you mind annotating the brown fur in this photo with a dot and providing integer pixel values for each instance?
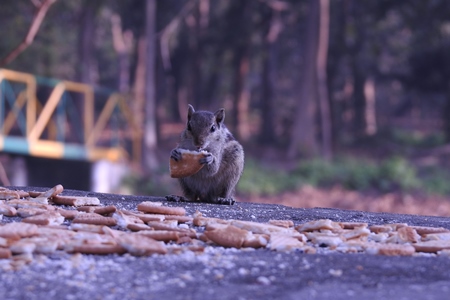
(216, 181)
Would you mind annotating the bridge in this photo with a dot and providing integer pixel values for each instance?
(62, 119)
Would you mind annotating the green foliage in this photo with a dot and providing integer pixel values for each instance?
(355, 174)
(392, 174)
(259, 179)
(397, 173)
(417, 139)
(159, 184)
(315, 172)
(435, 181)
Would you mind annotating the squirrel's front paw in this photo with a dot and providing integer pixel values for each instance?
(207, 159)
(175, 154)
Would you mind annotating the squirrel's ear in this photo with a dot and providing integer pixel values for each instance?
(220, 116)
(191, 110)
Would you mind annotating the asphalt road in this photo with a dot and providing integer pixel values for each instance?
(237, 274)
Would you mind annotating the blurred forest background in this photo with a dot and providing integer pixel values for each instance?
(340, 103)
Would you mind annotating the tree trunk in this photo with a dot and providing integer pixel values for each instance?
(445, 114)
(150, 132)
(359, 100)
(334, 76)
(267, 134)
(303, 130)
(194, 77)
(138, 104)
(241, 94)
(322, 89)
(359, 72)
(122, 42)
(371, 109)
(86, 45)
(87, 72)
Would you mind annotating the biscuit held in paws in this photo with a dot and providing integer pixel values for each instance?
(188, 165)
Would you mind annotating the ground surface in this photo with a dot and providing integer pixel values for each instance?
(235, 274)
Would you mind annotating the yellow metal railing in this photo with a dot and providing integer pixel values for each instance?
(39, 118)
(30, 82)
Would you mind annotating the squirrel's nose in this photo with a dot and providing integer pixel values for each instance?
(199, 145)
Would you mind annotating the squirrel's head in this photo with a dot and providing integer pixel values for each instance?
(204, 127)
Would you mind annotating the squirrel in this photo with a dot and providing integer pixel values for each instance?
(224, 162)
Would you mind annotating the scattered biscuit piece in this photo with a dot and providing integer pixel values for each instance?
(56, 190)
(18, 230)
(353, 225)
(86, 209)
(31, 211)
(76, 201)
(323, 224)
(7, 210)
(355, 233)
(126, 221)
(47, 218)
(408, 235)
(325, 239)
(391, 249)
(282, 223)
(162, 235)
(5, 253)
(101, 249)
(256, 240)
(157, 208)
(105, 210)
(432, 246)
(8, 194)
(228, 236)
(200, 220)
(168, 227)
(443, 236)
(282, 242)
(93, 218)
(87, 227)
(19, 203)
(22, 246)
(256, 227)
(425, 229)
(139, 245)
(145, 217)
(67, 213)
(179, 219)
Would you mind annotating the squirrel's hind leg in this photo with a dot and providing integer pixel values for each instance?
(176, 198)
(224, 201)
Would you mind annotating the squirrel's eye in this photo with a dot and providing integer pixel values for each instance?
(213, 128)
(189, 127)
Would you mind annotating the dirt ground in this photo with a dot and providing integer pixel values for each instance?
(337, 197)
